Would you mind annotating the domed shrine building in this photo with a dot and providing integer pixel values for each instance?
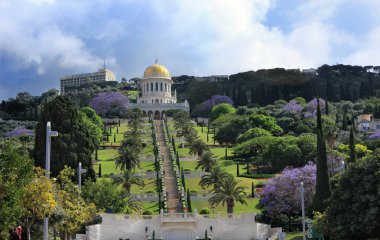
(156, 96)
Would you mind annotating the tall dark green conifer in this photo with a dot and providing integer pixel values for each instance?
(352, 146)
(323, 188)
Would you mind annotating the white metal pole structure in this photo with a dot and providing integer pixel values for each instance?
(303, 212)
(80, 171)
(49, 134)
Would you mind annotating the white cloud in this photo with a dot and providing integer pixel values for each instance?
(190, 37)
(33, 36)
(369, 51)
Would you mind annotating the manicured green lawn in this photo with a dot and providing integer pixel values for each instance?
(107, 158)
(189, 165)
(219, 152)
(203, 135)
(148, 150)
(107, 154)
(150, 186)
(152, 206)
(252, 206)
(145, 166)
(182, 152)
(294, 236)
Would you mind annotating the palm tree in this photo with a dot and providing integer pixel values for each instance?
(229, 193)
(216, 176)
(206, 161)
(127, 179)
(129, 152)
(131, 203)
(128, 158)
(198, 147)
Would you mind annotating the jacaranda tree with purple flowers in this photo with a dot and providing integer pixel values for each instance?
(207, 105)
(20, 131)
(293, 106)
(110, 104)
(312, 105)
(374, 136)
(281, 195)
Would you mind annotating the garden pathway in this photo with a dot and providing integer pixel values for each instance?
(169, 177)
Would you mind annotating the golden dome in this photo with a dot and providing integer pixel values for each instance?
(156, 70)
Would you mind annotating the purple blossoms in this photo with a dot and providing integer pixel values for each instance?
(106, 102)
(19, 131)
(215, 100)
(281, 195)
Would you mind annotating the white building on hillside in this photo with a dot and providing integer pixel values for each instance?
(79, 79)
(156, 93)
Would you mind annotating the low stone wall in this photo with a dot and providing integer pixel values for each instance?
(179, 226)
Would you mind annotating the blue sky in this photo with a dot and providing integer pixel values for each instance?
(41, 40)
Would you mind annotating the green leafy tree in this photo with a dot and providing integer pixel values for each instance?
(283, 152)
(95, 118)
(252, 133)
(217, 174)
(265, 122)
(230, 129)
(107, 196)
(220, 110)
(353, 211)
(38, 199)
(228, 193)
(16, 171)
(73, 209)
(74, 143)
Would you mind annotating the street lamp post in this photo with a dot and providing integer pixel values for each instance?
(49, 134)
(80, 171)
(303, 211)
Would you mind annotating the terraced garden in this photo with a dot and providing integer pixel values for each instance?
(106, 157)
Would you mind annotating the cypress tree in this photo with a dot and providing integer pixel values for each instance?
(117, 129)
(110, 129)
(173, 143)
(100, 170)
(247, 168)
(207, 136)
(344, 123)
(183, 178)
(323, 188)
(352, 146)
(225, 153)
(326, 107)
(96, 153)
(253, 190)
(177, 157)
(237, 170)
(114, 137)
(189, 208)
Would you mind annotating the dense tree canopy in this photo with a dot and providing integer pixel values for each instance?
(353, 211)
(221, 109)
(16, 170)
(74, 143)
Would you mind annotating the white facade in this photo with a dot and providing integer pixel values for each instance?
(156, 93)
(79, 79)
(180, 226)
